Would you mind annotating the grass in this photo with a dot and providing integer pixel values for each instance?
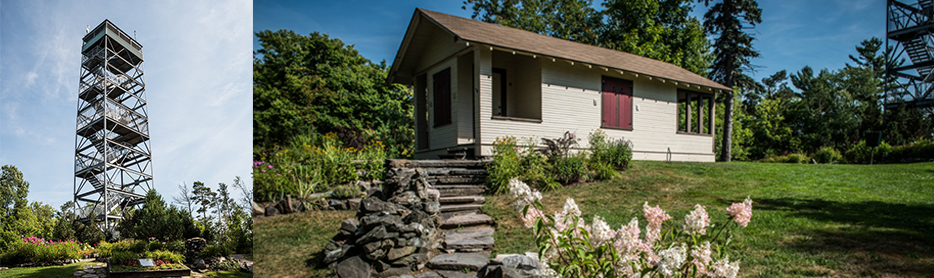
(66, 271)
(808, 220)
(228, 274)
(290, 245)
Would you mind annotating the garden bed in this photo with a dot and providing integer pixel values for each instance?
(148, 273)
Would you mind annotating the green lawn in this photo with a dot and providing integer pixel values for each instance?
(66, 271)
(290, 245)
(808, 220)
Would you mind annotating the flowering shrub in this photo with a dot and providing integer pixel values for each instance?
(303, 168)
(41, 251)
(570, 248)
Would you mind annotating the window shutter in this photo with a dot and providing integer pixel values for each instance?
(610, 118)
(625, 103)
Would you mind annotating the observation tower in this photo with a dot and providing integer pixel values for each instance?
(113, 155)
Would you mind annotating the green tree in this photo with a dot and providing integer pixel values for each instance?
(205, 199)
(573, 20)
(307, 85)
(732, 52)
(15, 213)
(657, 29)
(65, 226)
(156, 219)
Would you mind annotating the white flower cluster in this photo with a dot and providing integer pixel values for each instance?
(672, 258)
(696, 221)
(701, 255)
(724, 268)
(600, 232)
(523, 194)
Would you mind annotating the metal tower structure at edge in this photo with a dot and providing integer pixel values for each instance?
(113, 155)
(910, 32)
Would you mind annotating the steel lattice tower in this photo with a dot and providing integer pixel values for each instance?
(910, 32)
(113, 157)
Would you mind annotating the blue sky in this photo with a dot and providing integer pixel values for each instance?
(793, 33)
(198, 76)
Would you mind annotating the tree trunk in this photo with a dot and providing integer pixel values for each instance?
(725, 153)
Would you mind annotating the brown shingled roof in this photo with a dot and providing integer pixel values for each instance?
(520, 40)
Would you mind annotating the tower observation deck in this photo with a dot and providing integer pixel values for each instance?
(910, 32)
(113, 155)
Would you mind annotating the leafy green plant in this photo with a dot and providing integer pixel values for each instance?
(215, 251)
(344, 192)
(40, 251)
(569, 169)
(604, 150)
(827, 155)
(862, 153)
(505, 165)
(559, 147)
(789, 158)
(228, 265)
(122, 256)
(165, 256)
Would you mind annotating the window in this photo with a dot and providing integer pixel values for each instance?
(695, 112)
(617, 103)
(442, 97)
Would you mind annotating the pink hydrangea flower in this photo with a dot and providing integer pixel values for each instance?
(531, 216)
(655, 216)
(697, 221)
(701, 255)
(741, 212)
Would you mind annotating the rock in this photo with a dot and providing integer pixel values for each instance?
(433, 194)
(375, 220)
(272, 211)
(257, 210)
(407, 198)
(459, 261)
(465, 220)
(481, 238)
(336, 254)
(375, 234)
(521, 262)
(372, 246)
(432, 207)
(372, 204)
(457, 274)
(337, 204)
(353, 204)
(381, 266)
(416, 217)
(200, 264)
(411, 260)
(399, 252)
(193, 247)
(349, 226)
(498, 271)
(429, 274)
(353, 267)
(394, 272)
(285, 206)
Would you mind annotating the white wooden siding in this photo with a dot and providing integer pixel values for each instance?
(440, 47)
(571, 102)
(444, 136)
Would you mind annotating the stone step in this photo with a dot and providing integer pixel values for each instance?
(472, 164)
(469, 239)
(459, 261)
(459, 190)
(461, 179)
(454, 208)
(462, 200)
(432, 172)
(467, 220)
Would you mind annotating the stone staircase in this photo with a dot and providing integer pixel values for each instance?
(466, 233)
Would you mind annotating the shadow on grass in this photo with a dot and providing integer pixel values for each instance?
(880, 237)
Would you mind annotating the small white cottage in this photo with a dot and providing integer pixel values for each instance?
(476, 81)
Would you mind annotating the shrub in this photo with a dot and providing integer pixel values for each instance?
(568, 170)
(228, 265)
(215, 251)
(920, 150)
(862, 153)
(122, 256)
(176, 246)
(40, 251)
(307, 166)
(165, 256)
(789, 158)
(559, 147)
(827, 155)
(615, 153)
(506, 164)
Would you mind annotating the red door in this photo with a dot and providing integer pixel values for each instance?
(625, 103)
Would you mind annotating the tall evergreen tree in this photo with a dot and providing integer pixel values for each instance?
(205, 199)
(732, 51)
